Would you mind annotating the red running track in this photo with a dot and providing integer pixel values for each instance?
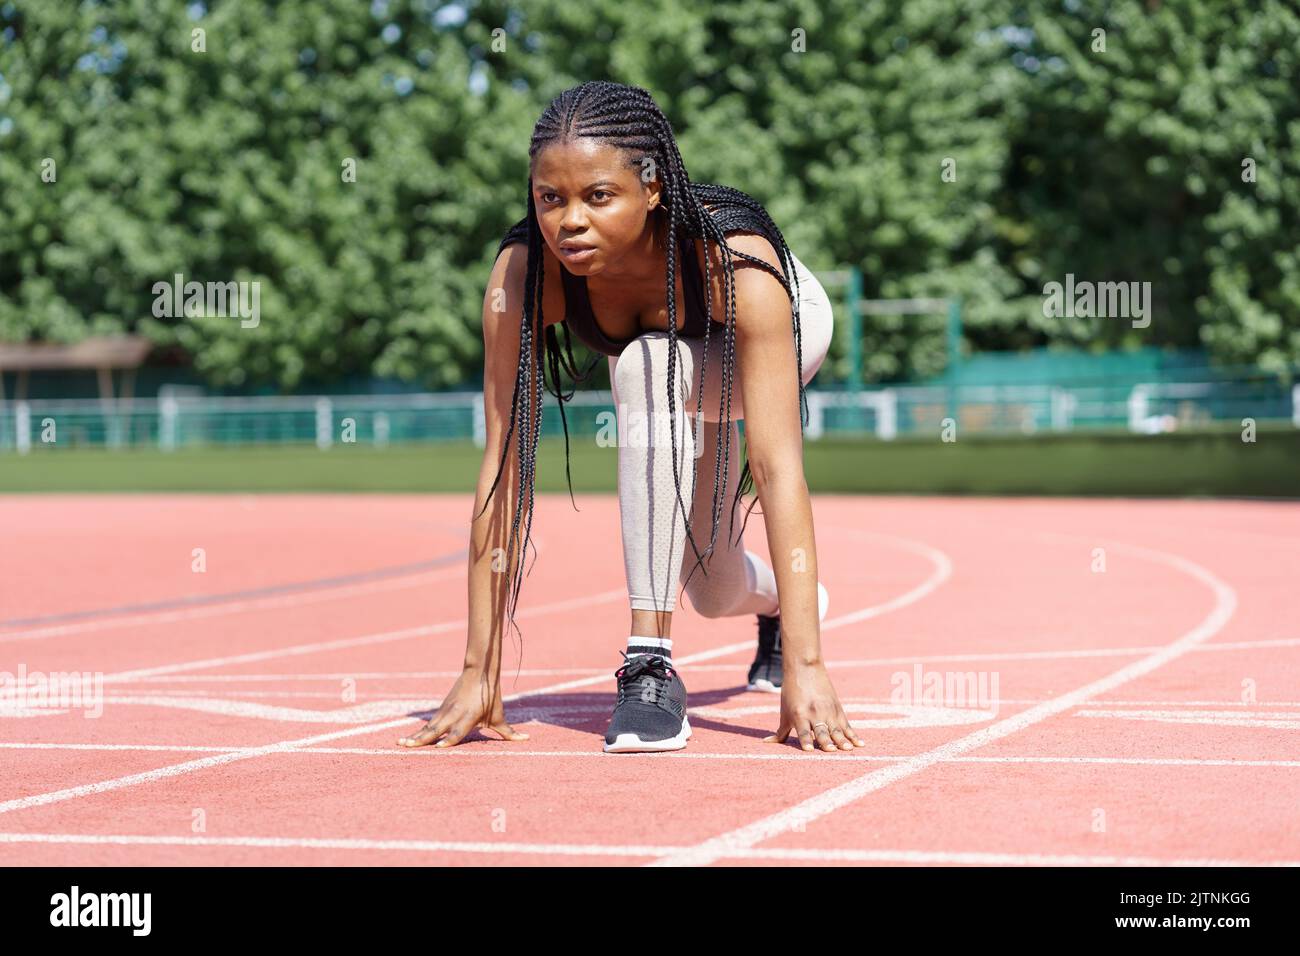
(1147, 713)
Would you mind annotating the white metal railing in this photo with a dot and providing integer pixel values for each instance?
(178, 419)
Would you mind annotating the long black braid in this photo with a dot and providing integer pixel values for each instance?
(628, 118)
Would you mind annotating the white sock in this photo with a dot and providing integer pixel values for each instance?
(663, 646)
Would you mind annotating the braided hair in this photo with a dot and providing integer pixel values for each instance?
(627, 117)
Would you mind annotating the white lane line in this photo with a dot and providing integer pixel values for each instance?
(1213, 718)
(383, 637)
(191, 766)
(868, 662)
(1063, 654)
(1252, 645)
(357, 675)
(941, 572)
(424, 846)
(590, 849)
(161, 773)
(943, 568)
(432, 753)
(354, 714)
(145, 748)
(1225, 604)
(881, 716)
(152, 618)
(322, 593)
(1236, 707)
(210, 693)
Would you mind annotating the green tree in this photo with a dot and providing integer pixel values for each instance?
(948, 147)
(1140, 121)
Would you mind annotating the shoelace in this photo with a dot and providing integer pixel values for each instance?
(649, 673)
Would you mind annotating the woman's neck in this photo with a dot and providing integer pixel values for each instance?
(643, 268)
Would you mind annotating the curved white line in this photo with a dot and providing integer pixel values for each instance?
(941, 573)
(382, 637)
(190, 766)
(315, 596)
(728, 844)
(432, 753)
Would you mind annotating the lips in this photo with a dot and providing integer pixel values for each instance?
(569, 246)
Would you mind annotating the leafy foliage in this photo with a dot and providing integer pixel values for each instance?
(228, 164)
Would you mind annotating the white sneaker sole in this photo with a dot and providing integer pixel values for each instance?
(632, 744)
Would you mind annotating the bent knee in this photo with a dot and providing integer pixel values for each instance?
(644, 359)
(631, 370)
(709, 605)
(709, 596)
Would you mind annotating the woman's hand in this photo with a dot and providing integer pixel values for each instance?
(810, 708)
(471, 702)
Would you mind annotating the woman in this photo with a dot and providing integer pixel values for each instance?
(616, 229)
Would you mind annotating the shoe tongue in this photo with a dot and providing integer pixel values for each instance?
(652, 664)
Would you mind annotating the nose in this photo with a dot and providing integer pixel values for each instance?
(574, 219)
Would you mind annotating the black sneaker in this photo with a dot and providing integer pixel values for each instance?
(650, 715)
(765, 672)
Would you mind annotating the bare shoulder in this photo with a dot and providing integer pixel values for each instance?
(509, 269)
(758, 246)
(751, 279)
(510, 274)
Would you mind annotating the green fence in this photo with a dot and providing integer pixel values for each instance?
(176, 421)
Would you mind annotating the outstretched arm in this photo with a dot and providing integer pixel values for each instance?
(475, 699)
(769, 385)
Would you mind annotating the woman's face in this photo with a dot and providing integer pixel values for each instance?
(588, 196)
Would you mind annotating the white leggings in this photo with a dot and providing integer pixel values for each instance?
(655, 551)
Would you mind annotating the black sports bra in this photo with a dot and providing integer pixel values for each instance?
(582, 321)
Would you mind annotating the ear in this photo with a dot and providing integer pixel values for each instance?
(654, 197)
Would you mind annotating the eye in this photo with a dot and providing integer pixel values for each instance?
(544, 195)
(601, 192)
